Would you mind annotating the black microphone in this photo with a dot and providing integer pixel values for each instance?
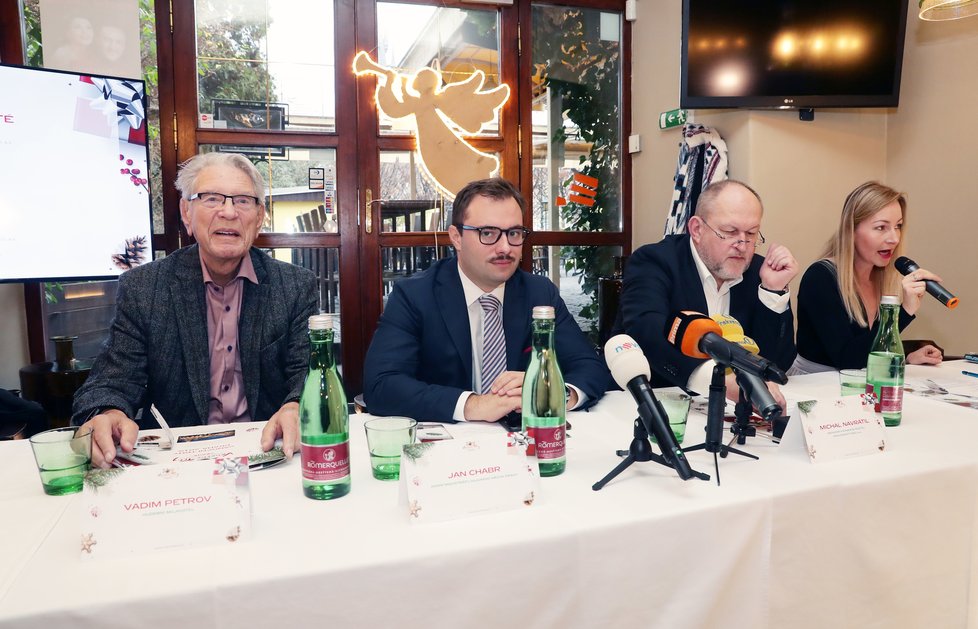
(758, 394)
(906, 266)
(631, 371)
(699, 336)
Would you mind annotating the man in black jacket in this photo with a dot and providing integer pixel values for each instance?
(713, 270)
(426, 357)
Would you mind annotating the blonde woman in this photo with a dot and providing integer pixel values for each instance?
(839, 297)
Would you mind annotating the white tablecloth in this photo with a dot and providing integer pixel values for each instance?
(881, 541)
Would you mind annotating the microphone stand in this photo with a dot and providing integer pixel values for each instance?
(640, 450)
(714, 421)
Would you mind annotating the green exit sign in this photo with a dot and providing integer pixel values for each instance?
(672, 118)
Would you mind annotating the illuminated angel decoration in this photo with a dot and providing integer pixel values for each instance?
(442, 113)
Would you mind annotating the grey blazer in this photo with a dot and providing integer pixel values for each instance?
(157, 347)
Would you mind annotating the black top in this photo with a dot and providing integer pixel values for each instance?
(826, 334)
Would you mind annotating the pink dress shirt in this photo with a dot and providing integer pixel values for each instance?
(227, 392)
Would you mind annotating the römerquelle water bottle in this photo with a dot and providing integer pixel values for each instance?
(324, 421)
(886, 363)
(544, 397)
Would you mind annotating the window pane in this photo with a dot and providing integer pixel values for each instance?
(301, 186)
(458, 42)
(266, 64)
(576, 91)
(324, 263)
(402, 262)
(577, 271)
(409, 201)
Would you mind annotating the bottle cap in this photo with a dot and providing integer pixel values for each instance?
(543, 312)
(890, 300)
(321, 322)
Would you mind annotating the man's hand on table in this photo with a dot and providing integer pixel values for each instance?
(108, 429)
(283, 425)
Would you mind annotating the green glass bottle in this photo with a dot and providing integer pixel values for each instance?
(886, 363)
(324, 421)
(544, 398)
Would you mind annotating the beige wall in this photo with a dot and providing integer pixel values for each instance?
(13, 335)
(803, 170)
(932, 154)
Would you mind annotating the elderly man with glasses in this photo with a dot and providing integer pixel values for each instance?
(713, 270)
(453, 342)
(212, 333)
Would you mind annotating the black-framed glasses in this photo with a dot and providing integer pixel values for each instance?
(212, 200)
(754, 239)
(490, 235)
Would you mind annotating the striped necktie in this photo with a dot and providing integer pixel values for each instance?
(493, 341)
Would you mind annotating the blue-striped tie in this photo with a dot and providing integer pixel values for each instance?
(493, 342)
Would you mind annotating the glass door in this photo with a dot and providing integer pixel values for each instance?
(558, 136)
(270, 79)
(437, 108)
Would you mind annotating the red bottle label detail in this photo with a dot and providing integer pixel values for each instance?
(326, 463)
(891, 399)
(549, 442)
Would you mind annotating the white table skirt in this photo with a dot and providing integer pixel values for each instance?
(882, 541)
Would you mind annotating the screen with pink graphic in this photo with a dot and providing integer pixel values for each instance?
(74, 176)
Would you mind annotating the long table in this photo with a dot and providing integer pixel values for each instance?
(880, 541)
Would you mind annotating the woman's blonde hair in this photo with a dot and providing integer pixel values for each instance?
(861, 204)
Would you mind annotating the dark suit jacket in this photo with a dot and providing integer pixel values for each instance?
(420, 359)
(661, 279)
(157, 350)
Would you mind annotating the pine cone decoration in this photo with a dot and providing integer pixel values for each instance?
(133, 255)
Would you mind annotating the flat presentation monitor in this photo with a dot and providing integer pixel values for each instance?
(74, 176)
(792, 53)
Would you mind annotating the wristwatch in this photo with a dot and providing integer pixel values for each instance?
(783, 291)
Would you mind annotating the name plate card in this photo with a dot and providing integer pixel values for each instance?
(841, 428)
(155, 507)
(457, 478)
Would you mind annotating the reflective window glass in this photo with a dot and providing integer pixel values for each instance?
(454, 42)
(266, 64)
(576, 117)
(301, 186)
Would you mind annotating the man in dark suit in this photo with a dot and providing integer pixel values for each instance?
(426, 358)
(212, 333)
(713, 270)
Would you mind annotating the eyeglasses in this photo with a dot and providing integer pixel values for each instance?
(489, 235)
(753, 239)
(212, 200)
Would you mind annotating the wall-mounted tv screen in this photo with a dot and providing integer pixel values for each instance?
(74, 175)
(792, 53)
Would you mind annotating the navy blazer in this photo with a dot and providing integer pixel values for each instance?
(661, 279)
(157, 350)
(420, 359)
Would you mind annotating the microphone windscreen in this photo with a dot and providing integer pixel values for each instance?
(744, 341)
(905, 265)
(734, 332)
(688, 328)
(625, 359)
(730, 326)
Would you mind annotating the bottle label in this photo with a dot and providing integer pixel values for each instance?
(871, 390)
(326, 463)
(549, 442)
(891, 399)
